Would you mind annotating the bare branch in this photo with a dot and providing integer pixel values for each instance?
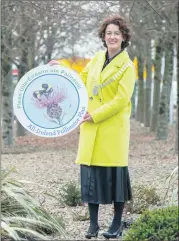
(158, 13)
(131, 9)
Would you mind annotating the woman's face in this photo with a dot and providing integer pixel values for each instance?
(113, 37)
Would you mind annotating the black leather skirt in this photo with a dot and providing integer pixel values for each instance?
(104, 185)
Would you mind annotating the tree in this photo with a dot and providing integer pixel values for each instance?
(148, 87)
(162, 126)
(157, 82)
(7, 85)
(176, 137)
(140, 103)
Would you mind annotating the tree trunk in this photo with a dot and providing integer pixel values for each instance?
(140, 101)
(148, 88)
(7, 109)
(23, 68)
(27, 60)
(177, 75)
(156, 91)
(177, 79)
(7, 94)
(162, 125)
(171, 88)
(176, 140)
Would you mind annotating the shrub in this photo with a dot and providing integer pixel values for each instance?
(156, 225)
(22, 217)
(70, 194)
(143, 198)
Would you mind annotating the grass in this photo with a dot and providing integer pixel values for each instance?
(22, 217)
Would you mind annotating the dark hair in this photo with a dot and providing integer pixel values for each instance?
(119, 21)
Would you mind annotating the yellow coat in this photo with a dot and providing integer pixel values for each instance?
(106, 141)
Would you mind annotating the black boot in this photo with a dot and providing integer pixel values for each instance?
(94, 227)
(90, 234)
(116, 234)
(115, 230)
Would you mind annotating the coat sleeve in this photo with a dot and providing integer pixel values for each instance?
(84, 72)
(121, 99)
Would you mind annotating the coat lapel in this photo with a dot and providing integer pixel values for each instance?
(114, 65)
(96, 75)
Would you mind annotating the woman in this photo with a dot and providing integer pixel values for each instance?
(104, 134)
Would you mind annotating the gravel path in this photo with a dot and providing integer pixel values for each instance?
(50, 163)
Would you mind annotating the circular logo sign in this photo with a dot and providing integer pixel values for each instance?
(50, 101)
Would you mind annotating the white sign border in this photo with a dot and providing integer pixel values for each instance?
(39, 71)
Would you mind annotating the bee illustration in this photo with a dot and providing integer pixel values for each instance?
(46, 91)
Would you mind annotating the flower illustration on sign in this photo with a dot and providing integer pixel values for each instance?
(50, 99)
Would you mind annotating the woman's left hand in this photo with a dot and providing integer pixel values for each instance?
(54, 62)
(87, 118)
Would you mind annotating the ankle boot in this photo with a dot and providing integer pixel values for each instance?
(116, 234)
(90, 235)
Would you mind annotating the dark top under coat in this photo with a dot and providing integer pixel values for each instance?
(108, 60)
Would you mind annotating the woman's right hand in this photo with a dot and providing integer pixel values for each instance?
(87, 118)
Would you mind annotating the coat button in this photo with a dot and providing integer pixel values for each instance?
(100, 100)
(91, 98)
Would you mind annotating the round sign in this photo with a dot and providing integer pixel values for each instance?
(50, 101)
